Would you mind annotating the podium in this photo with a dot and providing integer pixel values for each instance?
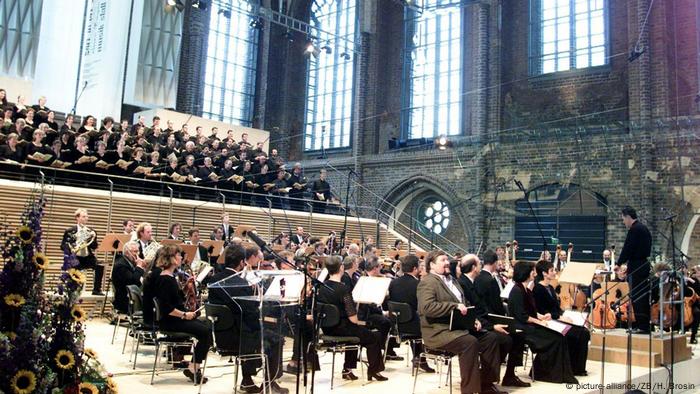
(261, 302)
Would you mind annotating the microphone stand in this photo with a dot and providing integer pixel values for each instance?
(316, 285)
(532, 212)
(75, 104)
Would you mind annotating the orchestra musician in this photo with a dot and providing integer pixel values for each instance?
(194, 239)
(128, 270)
(244, 335)
(82, 241)
(511, 344)
(488, 285)
(552, 362)
(438, 295)
(175, 230)
(144, 235)
(337, 294)
(175, 317)
(635, 253)
(376, 317)
(351, 264)
(226, 226)
(404, 289)
(298, 237)
(547, 302)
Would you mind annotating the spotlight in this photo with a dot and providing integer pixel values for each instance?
(179, 5)
(256, 23)
(201, 4)
(443, 143)
(345, 56)
(636, 52)
(226, 13)
(311, 49)
(327, 49)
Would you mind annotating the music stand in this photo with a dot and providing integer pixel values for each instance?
(111, 243)
(214, 247)
(242, 229)
(171, 242)
(398, 254)
(578, 273)
(190, 251)
(420, 255)
(371, 290)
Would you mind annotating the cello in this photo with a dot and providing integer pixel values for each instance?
(603, 315)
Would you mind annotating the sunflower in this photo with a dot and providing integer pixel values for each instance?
(88, 388)
(24, 382)
(78, 313)
(10, 335)
(77, 276)
(65, 359)
(25, 234)
(41, 261)
(111, 386)
(90, 353)
(15, 300)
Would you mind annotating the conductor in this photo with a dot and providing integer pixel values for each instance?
(635, 253)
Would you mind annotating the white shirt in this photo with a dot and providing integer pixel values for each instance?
(447, 280)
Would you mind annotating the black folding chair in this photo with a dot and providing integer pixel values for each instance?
(329, 316)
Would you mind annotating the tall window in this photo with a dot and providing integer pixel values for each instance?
(329, 94)
(567, 34)
(433, 70)
(229, 81)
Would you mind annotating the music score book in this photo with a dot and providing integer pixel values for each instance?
(458, 321)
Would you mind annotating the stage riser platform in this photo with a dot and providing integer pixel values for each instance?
(616, 348)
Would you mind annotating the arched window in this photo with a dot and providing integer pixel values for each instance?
(433, 216)
(566, 215)
(229, 79)
(433, 69)
(331, 74)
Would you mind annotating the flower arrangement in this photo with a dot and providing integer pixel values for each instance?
(42, 335)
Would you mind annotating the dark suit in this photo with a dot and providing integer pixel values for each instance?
(487, 289)
(84, 262)
(634, 253)
(512, 345)
(435, 303)
(124, 273)
(404, 289)
(245, 335)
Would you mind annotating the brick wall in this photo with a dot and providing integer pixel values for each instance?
(193, 56)
(619, 130)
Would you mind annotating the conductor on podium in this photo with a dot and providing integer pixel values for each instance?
(635, 254)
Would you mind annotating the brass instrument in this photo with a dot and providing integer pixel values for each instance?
(83, 238)
(150, 251)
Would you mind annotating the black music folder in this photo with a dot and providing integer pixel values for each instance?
(458, 321)
(505, 320)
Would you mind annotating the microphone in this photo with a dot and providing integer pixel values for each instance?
(520, 185)
(603, 272)
(258, 241)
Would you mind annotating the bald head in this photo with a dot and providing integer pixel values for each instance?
(470, 265)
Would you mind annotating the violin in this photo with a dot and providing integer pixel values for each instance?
(603, 315)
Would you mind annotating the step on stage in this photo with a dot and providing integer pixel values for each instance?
(220, 372)
(616, 348)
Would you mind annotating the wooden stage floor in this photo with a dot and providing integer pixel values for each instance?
(220, 373)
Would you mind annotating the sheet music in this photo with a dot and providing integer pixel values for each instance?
(293, 285)
(203, 274)
(556, 325)
(371, 290)
(577, 318)
(323, 275)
